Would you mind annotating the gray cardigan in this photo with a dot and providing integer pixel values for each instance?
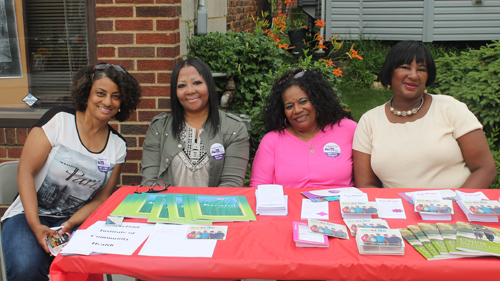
(160, 146)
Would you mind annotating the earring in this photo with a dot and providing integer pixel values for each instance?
(119, 109)
(286, 123)
(425, 91)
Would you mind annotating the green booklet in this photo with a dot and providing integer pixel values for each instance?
(415, 243)
(159, 211)
(475, 238)
(140, 205)
(119, 209)
(220, 208)
(424, 240)
(432, 232)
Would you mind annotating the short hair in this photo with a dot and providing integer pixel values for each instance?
(130, 89)
(405, 52)
(319, 91)
(213, 98)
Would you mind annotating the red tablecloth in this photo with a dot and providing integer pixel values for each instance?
(265, 249)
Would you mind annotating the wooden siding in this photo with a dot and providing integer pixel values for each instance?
(422, 20)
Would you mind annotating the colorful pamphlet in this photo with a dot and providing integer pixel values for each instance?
(415, 243)
(373, 241)
(137, 205)
(332, 194)
(434, 209)
(220, 208)
(432, 232)
(449, 233)
(475, 238)
(207, 232)
(360, 210)
(354, 224)
(56, 244)
(424, 240)
(304, 237)
(328, 228)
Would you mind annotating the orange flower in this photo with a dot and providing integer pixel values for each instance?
(287, 1)
(319, 37)
(320, 23)
(304, 27)
(321, 46)
(328, 62)
(353, 53)
(337, 72)
(283, 46)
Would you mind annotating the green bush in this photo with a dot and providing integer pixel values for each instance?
(473, 77)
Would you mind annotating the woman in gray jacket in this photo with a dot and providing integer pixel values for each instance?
(196, 144)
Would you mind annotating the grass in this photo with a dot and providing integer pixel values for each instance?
(360, 100)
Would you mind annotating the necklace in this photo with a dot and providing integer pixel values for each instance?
(310, 145)
(405, 113)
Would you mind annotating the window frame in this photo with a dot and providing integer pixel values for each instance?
(27, 117)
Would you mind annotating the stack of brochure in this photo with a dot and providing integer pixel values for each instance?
(434, 209)
(328, 228)
(373, 241)
(441, 240)
(185, 208)
(271, 201)
(477, 207)
(358, 210)
(304, 237)
(355, 224)
(332, 194)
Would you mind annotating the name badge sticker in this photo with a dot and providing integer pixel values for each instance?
(217, 151)
(103, 164)
(331, 150)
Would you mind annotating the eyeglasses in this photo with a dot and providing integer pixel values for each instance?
(158, 186)
(296, 74)
(102, 66)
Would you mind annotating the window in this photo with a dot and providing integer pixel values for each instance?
(60, 40)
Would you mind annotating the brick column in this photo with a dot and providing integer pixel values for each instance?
(144, 37)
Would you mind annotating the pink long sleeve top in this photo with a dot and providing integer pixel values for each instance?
(286, 160)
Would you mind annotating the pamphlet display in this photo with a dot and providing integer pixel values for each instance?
(372, 241)
(354, 224)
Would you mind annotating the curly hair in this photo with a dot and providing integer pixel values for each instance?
(320, 92)
(130, 89)
(213, 98)
(405, 52)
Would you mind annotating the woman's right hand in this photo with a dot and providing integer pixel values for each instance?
(41, 232)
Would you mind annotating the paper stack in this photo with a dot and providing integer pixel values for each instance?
(373, 241)
(434, 209)
(477, 207)
(271, 201)
(304, 237)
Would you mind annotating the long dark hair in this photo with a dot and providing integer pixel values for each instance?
(320, 92)
(213, 98)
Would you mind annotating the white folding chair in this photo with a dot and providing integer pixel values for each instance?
(8, 192)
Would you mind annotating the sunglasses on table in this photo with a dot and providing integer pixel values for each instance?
(296, 74)
(158, 186)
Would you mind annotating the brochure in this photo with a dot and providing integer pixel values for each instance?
(434, 209)
(314, 210)
(449, 233)
(332, 194)
(475, 238)
(354, 224)
(391, 208)
(432, 232)
(304, 237)
(328, 228)
(373, 241)
(359, 210)
(220, 208)
(424, 240)
(218, 232)
(480, 210)
(415, 243)
(56, 244)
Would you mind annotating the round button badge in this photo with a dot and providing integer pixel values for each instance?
(217, 151)
(103, 164)
(331, 150)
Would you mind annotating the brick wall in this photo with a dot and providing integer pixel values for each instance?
(240, 13)
(144, 37)
(11, 143)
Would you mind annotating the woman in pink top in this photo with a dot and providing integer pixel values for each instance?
(309, 139)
